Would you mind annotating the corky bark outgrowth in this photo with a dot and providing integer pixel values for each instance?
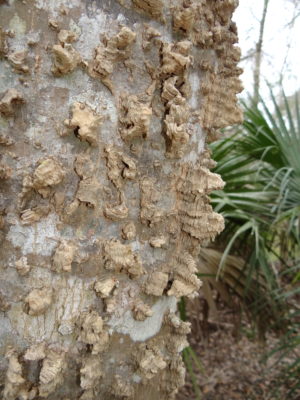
(105, 108)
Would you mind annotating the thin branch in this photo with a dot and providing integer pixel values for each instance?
(291, 23)
(249, 55)
(258, 55)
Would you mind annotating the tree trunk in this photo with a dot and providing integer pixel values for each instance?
(105, 109)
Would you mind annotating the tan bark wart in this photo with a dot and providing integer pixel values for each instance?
(107, 53)
(84, 122)
(105, 110)
(38, 301)
(9, 102)
(65, 57)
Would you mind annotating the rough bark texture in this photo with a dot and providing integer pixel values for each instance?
(105, 108)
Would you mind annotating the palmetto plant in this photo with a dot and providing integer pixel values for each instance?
(258, 254)
(260, 163)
